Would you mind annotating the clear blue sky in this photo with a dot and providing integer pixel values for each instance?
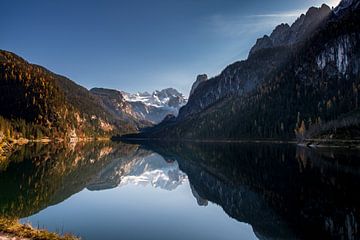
(140, 45)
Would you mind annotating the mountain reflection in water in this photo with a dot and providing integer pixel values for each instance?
(282, 191)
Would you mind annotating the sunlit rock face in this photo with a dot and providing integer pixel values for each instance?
(285, 35)
(141, 109)
(155, 106)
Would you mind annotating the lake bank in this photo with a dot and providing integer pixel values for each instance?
(331, 143)
(7, 146)
(12, 229)
(315, 143)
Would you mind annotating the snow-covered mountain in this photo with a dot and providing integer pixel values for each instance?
(141, 109)
(168, 97)
(154, 107)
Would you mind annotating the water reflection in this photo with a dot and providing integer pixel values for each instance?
(42, 175)
(282, 191)
(141, 169)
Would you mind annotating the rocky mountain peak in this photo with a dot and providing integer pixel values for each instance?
(280, 34)
(155, 106)
(199, 79)
(168, 93)
(261, 43)
(285, 35)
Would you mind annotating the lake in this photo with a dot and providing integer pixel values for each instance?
(184, 190)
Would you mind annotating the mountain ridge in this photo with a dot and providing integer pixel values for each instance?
(283, 92)
(41, 103)
(286, 35)
(156, 106)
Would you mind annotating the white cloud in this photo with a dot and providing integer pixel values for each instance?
(237, 26)
(333, 3)
(287, 14)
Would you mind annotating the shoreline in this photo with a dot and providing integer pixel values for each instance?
(278, 141)
(331, 143)
(313, 143)
(8, 145)
(11, 229)
(22, 141)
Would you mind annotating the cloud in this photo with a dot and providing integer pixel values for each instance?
(333, 3)
(237, 26)
(288, 14)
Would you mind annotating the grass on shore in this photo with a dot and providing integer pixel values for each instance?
(13, 228)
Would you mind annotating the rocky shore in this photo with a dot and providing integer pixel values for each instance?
(11, 229)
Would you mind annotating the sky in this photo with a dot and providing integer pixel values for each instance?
(140, 45)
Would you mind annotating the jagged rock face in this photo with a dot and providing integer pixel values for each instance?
(337, 56)
(280, 35)
(237, 79)
(156, 106)
(262, 96)
(262, 43)
(170, 96)
(199, 79)
(284, 35)
(268, 54)
(151, 113)
(346, 5)
(166, 97)
(143, 109)
(113, 100)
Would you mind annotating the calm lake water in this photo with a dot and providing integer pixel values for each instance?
(186, 190)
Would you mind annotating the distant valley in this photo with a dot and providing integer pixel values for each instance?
(43, 105)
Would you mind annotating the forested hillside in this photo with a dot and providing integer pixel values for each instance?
(37, 103)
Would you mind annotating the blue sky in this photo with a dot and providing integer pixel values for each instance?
(140, 45)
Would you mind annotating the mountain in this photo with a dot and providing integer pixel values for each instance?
(38, 103)
(345, 6)
(243, 77)
(302, 28)
(115, 103)
(156, 106)
(199, 79)
(305, 82)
